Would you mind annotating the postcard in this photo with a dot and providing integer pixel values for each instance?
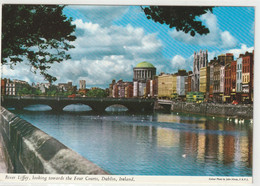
(122, 93)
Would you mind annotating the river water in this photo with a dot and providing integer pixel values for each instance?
(160, 143)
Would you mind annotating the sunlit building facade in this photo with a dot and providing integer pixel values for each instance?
(143, 72)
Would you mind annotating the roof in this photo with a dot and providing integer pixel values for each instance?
(145, 64)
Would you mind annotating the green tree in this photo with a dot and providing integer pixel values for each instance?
(40, 34)
(99, 93)
(52, 91)
(183, 18)
(36, 92)
(25, 91)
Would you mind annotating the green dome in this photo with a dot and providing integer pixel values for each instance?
(145, 64)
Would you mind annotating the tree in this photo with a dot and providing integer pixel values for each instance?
(181, 17)
(25, 91)
(99, 93)
(52, 91)
(40, 34)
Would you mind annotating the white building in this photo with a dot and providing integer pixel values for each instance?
(222, 79)
(10, 89)
(181, 80)
(143, 72)
(239, 76)
(82, 84)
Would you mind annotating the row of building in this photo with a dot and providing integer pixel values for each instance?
(13, 87)
(223, 79)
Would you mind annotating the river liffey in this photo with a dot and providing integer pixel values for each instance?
(174, 144)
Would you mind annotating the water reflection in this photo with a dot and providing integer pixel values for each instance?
(167, 138)
(228, 145)
(153, 144)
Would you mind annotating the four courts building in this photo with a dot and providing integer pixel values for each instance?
(143, 72)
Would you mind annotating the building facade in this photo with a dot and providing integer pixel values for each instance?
(247, 77)
(204, 80)
(110, 89)
(167, 86)
(200, 60)
(153, 87)
(226, 58)
(181, 86)
(216, 84)
(189, 81)
(239, 79)
(143, 72)
(222, 78)
(227, 84)
(3, 81)
(12, 87)
(122, 89)
(65, 87)
(82, 84)
(233, 80)
(212, 63)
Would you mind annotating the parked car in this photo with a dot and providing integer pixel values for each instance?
(234, 102)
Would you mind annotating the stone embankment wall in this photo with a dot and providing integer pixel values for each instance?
(214, 109)
(30, 150)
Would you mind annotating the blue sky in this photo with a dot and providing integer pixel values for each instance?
(111, 40)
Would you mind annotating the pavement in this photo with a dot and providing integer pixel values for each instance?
(3, 167)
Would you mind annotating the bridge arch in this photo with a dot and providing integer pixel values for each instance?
(77, 107)
(116, 108)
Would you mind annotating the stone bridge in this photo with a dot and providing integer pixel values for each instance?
(96, 104)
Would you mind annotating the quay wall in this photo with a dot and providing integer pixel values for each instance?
(245, 111)
(30, 150)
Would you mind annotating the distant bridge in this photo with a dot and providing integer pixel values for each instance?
(96, 104)
(166, 104)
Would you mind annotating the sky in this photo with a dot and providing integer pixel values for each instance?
(111, 40)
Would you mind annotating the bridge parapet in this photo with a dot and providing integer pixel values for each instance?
(97, 104)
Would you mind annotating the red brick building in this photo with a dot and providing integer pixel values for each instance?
(122, 89)
(227, 84)
(247, 77)
(233, 80)
(3, 86)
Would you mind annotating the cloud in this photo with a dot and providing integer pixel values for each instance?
(95, 42)
(102, 15)
(102, 54)
(242, 50)
(20, 71)
(179, 62)
(216, 37)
